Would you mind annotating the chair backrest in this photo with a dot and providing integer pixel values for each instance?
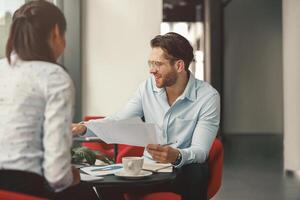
(90, 117)
(8, 195)
(128, 150)
(215, 162)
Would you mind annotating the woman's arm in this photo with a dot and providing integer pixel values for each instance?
(57, 138)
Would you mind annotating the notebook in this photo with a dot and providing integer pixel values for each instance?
(158, 167)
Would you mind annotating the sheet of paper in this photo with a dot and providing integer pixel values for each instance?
(131, 132)
(102, 170)
(86, 177)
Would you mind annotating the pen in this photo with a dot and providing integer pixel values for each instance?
(107, 168)
(169, 143)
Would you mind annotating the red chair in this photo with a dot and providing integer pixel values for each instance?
(8, 195)
(215, 163)
(107, 149)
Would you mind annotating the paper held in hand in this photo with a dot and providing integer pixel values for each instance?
(132, 132)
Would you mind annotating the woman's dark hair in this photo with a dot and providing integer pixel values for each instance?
(30, 31)
(175, 46)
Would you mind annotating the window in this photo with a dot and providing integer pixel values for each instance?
(7, 9)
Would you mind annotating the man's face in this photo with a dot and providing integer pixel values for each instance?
(165, 74)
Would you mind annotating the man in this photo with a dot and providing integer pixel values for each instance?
(186, 110)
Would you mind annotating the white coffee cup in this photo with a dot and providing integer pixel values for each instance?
(132, 165)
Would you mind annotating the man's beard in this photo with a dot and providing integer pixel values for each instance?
(168, 80)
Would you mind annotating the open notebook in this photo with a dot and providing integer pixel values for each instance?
(158, 167)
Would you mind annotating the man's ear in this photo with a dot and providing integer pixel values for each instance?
(180, 65)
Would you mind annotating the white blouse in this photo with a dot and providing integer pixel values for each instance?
(36, 111)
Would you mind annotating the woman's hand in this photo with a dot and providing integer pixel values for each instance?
(78, 129)
(76, 176)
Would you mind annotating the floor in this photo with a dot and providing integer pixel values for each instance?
(253, 170)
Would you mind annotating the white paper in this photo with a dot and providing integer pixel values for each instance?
(102, 170)
(131, 132)
(86, 177)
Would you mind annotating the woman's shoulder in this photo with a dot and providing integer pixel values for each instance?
(47, 67)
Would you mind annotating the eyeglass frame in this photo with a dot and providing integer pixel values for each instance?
(157, 64)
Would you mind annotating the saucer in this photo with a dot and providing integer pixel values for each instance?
(141, 175)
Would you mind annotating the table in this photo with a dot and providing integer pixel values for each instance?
(113, 187)
(112, 181)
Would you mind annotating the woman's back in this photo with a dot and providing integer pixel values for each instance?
(36, 106)
(36, 103)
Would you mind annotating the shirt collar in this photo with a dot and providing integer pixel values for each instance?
(189, 91)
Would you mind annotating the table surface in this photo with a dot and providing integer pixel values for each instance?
(114, 181)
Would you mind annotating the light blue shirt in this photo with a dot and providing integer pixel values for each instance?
(192, 120)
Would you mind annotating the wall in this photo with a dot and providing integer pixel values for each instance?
(253, 93)
(115, 44)
(291, 74)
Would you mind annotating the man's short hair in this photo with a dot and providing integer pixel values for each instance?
(175, 47)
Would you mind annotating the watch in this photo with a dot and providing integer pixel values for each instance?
(178, 159)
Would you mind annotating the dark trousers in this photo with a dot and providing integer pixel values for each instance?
(191, 183)
(36, 185)
(24, 182)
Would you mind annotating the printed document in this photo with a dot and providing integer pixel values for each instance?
(102, 170)
(131, 132)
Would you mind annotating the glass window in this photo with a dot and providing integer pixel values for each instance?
(7, 8)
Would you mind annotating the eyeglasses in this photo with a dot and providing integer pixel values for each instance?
(155, 64)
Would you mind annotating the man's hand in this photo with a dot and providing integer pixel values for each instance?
(163, 154)
(78, 129)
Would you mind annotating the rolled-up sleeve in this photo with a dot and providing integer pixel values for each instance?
(57, 138)
(204, 133)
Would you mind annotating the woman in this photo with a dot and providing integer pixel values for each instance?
(36, 104)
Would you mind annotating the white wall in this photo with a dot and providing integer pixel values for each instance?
(291, 72)
(253, 94)
(116, 36)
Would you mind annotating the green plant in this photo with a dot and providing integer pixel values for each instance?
(83, 154)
